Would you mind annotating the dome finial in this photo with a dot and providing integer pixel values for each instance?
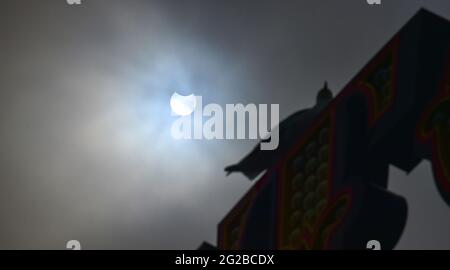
(324, 94)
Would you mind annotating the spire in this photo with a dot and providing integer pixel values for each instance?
(324, 94)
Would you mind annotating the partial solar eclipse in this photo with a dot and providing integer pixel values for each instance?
(183, 105)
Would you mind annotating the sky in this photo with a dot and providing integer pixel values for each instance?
(86, 151)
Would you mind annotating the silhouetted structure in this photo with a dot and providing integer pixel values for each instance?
(328, 190)
(289, 130)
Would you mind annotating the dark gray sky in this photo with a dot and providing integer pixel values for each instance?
(86, 151)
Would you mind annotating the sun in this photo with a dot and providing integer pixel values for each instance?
(183, 105)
